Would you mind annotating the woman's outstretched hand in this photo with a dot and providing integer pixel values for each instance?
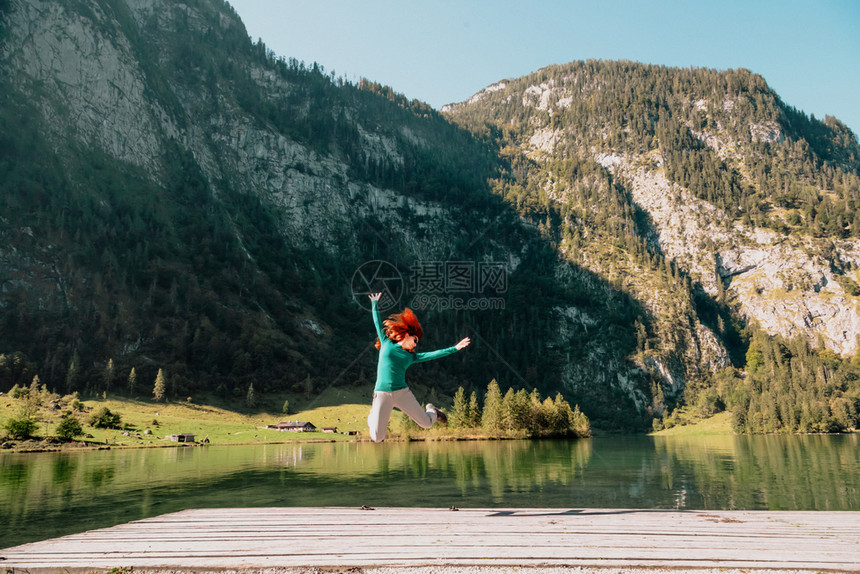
(375, 296)
(463, 344)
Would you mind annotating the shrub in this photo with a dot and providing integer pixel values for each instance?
(739, 421)
(22, 427)
(709, 403)
(69, 427)
(104, 419)
(848, 285)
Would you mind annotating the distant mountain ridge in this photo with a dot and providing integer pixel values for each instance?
(174, 196)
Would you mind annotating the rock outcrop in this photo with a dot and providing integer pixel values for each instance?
(783, 283)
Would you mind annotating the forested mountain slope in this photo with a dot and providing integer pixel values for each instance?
(746, 206)
(174, 196)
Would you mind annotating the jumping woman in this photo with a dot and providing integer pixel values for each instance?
(397, 337)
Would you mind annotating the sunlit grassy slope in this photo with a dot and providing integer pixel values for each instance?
(222, 422)
(720, 423)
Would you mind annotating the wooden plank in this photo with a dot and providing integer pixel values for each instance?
(414, 537)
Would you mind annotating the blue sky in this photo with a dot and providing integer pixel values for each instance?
(444, 51)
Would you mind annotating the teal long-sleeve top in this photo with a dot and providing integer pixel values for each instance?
(394, 359)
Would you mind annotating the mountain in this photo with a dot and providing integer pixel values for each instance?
(174, 196)
(747, 195)
(744, 205)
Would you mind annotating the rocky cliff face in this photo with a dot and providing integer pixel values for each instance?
(86, 81)
(91, 85)
(786, 284)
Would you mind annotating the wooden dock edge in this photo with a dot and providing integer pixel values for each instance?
(454, 541)
(509, 569)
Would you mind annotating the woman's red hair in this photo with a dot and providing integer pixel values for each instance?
(399, 325)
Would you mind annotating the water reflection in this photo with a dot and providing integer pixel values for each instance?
(773, 472)
(49, 494)
(503, 467)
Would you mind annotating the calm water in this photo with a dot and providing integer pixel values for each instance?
(51, 494)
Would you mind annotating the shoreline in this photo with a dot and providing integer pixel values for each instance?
(86, 446)
(83, 446)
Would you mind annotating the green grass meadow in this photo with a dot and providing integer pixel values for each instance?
(220, 421)
(718, 424)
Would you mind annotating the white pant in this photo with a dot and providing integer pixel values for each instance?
(385, 401)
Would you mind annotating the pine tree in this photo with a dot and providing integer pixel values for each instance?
(508, 409)
(34, 387)
(160, 388)
(522, 416)
(473, 411)
(132, 381)
(493, 415)
(109, 375)
(579, 423)
(540, 417)
(755, 357)
(32, 399)
(73, 372)
(459, 415)
(251, 396)
(563, 416)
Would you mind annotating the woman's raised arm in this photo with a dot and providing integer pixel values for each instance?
(377, 320)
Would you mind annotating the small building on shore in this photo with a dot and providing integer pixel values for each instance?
(182, 437)
(330, 429)
(294, 426)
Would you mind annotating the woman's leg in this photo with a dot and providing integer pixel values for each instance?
(406, 402)
(380, 412)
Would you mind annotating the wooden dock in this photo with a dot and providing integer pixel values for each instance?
(341, 538)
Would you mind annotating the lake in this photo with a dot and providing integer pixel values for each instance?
(43, 495)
